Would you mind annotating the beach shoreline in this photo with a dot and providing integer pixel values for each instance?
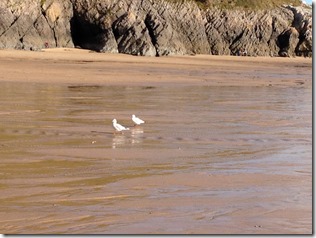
(67, 65)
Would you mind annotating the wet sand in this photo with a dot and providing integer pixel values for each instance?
(226, 148)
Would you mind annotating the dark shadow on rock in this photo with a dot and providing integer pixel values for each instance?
(149, 22)
(87, 35)
(283, 43)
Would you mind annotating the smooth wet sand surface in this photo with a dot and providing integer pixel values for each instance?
(226, 147)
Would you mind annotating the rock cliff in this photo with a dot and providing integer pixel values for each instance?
(155, 27)
(33, 25)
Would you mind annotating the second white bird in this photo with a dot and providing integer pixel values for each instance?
(137, 120)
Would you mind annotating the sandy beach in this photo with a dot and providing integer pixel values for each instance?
(226, 147)
(83, 66)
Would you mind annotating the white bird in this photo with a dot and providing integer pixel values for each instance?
(118, 127)
(137, 120)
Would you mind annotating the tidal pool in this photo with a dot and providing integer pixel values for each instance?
(208, 160)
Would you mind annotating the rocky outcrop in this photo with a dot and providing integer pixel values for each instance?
(155, 28)
(34, 25)
(302, 23)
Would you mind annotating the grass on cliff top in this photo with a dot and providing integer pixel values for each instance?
(257, 4)
(241, 4)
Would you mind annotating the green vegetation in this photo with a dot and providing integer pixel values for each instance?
(242, 4)
(256, 4)
(42, 2)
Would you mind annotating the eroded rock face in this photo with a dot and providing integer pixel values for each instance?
(31, 25)
(303, 24)
(160, 28)
(154, 28)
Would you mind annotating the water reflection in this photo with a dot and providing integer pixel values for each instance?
(119, 140)
(225, 115)
(137, 134)
(58, 147)
(134, 136)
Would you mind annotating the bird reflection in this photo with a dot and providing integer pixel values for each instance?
(137, 135)
(118, 140)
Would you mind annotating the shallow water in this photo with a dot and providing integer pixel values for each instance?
(64, 170)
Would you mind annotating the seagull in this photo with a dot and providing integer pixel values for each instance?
(118, 127)
(136, 120)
